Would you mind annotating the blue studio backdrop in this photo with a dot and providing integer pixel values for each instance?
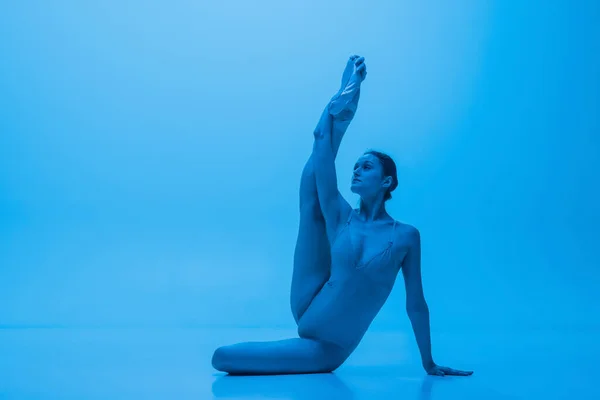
(150, 156)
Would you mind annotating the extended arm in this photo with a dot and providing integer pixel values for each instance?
(417, 309)
(416, 306)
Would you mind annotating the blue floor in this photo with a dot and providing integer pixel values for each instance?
(175, 364)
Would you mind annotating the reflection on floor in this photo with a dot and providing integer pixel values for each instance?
(175, 364)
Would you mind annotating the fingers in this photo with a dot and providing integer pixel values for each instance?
(359, 64)
(362, 71)
(456, 372)
(443, 371)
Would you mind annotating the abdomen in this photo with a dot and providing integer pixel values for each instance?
(342, 312)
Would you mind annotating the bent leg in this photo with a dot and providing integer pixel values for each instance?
(288, 356)
(312, 258)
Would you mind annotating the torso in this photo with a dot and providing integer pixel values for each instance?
(365, 260)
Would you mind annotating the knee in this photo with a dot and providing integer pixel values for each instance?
(331, 364)
(335, 356)
(220, 359)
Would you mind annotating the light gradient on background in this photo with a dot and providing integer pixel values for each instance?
(150, 156)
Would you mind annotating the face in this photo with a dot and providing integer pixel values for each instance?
(367, 178)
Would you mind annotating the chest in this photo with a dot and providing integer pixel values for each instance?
(370, 241)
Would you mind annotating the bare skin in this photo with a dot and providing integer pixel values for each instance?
(312, 258)
(344, 260)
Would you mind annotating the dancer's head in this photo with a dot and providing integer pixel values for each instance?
(374, 175)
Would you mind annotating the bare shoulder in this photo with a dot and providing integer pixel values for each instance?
(407, 235)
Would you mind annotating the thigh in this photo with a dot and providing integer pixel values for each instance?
(312, 264)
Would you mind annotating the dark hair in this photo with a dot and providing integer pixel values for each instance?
(389, 169)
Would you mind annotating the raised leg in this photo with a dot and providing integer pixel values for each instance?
(288, 356)
(312, 259)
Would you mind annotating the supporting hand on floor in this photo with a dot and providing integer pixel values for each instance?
(443, 371)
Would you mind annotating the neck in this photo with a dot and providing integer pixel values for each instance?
(373, 209)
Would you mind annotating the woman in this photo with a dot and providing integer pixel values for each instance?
(345, 262)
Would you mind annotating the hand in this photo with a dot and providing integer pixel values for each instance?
(360, 70)
(348, 70)
(443, 371)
